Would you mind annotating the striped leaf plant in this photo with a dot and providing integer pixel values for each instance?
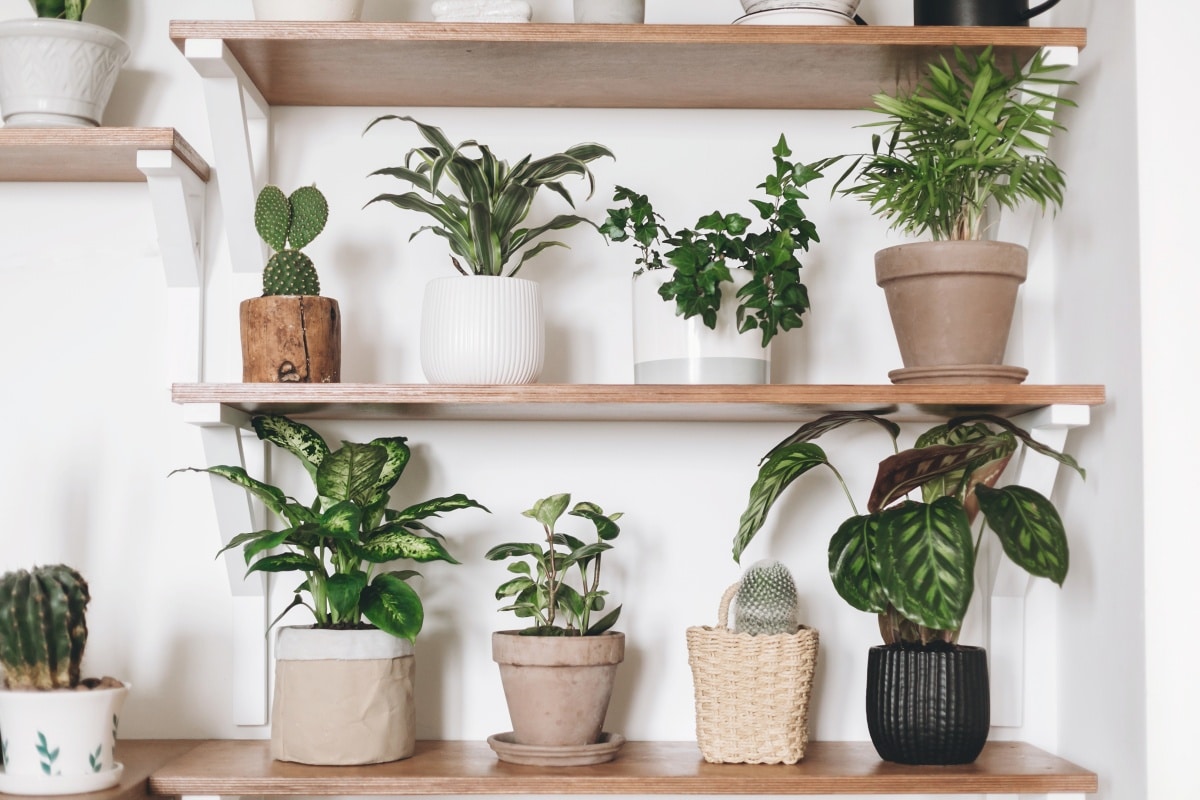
(337, 540)
(912, 561)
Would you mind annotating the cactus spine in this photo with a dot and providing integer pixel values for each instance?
(288, 224)
(766, 601)
(43, 628)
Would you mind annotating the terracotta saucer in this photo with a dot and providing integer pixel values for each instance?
(961, 374)
(548, 756)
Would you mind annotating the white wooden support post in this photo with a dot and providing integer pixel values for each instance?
(220, 431)
(1010, 583)
(239, 118)
(177, 196)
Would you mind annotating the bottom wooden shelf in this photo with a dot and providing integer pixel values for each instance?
(453, 767)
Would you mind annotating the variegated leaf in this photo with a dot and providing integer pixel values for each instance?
(394, 542)
(295, 437)
(1029, 528)
(927, 561)
(393, 606)
(775, 475)
(852, 563)
(908, 470)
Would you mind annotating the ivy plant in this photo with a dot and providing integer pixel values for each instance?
(912, 562)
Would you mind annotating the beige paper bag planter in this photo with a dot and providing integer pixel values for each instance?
(342, 697)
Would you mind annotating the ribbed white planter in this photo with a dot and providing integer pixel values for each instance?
(670, 349)
(610, 11)
(60, 742)
(342, 697)
(479, 329)
(57, 72)
(314, 10)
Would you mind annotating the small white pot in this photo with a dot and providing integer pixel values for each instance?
(478, 329)
(610, 11)
(844, 7)
(670, 349)
(57, 72)
(60, 741)
(308, 10)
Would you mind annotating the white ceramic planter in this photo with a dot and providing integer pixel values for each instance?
(308, 10)
(57, 72)
(479, 329)
(60, 742)
(845, 7)
(610, 11)
(342, 697)
(670, 349)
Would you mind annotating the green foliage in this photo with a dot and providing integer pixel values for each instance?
(968, 134)
(338, 539)
(481, 217)
(288, 224)
(766, 603)
(60, 9)
(775, 299)
(540, 592)
(43, 627)
(913, 562)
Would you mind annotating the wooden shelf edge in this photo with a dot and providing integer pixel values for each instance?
(88, 154)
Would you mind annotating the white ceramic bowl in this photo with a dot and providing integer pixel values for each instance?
(846, 7)
(794, 16)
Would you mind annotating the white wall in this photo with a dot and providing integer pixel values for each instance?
(85, 380)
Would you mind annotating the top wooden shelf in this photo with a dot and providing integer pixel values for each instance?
(88, 154)
(471, 768)
(595, 66)
(627, 402)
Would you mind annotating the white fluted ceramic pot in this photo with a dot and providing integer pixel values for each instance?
(314, 10)
(480, 329)
(57, 72)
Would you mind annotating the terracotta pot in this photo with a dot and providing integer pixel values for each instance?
(291, 339)
(928, 706)
(951, 302)
(557, 687)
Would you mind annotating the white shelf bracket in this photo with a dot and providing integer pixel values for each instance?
(239, 119)
(1046, 796)
(220, 432)
(178, 198)
(1010, 583)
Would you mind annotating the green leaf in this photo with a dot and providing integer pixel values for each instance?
(776, 474)
(272, 497)
(548, 510)
(436, 507)
(513, 550)
(1029, 528)
(343, 590)
(393, 606)
(393, 541)
(852, 564)
(605, 623)
(295, 437)
(286, 562)
(900, 474)
(606, 526)
(926, 561)
(352, 472)
(833, 421)
(513, 587)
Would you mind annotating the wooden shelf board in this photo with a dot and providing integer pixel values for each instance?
(140, 757)
(626, 402)
(437, 768)
(87, 154)
(595, 66)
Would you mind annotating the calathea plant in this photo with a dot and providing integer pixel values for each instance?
(60, 9)
(287, 225)
(540, 591)
(912, 562)
(700, 257)
(338, 539)
(479, 202)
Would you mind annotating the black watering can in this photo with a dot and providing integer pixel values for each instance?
(976, 12)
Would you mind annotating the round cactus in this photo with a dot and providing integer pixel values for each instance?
(43, 628)
(766, 601)
(290, 272)
(287, 224)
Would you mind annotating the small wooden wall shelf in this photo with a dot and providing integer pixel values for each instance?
(627, 402)
(595, 66)
(467, 768)
(88, 154)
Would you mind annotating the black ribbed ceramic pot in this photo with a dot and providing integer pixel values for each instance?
(976, 12)
(928, 706)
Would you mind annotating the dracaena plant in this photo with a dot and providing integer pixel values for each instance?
(479, 202)
(911, 561)
(540, 591)
(700, 257)
(968, 134)
(60, 9)
(339, 539)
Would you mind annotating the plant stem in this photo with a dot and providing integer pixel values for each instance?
(845, 489)
(551, 576)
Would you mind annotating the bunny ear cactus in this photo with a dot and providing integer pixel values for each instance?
(288, 224)
(43, 628)
(60, 9)
(766, 602)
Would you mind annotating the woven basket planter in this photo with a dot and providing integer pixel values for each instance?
(751, 691)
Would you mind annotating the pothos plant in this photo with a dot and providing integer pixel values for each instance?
(60, 9)
(337, 540)
(540, 591)
(912, 562)
(700, 257)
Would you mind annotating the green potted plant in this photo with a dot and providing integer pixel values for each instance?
(343, 688)
(291, 334)
(912, 563)
(57, 70)
(57, 729)
(485, 327)
(971, 138)
(558, 673)
(720, 280)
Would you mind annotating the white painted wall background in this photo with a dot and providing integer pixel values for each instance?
(93, 433)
